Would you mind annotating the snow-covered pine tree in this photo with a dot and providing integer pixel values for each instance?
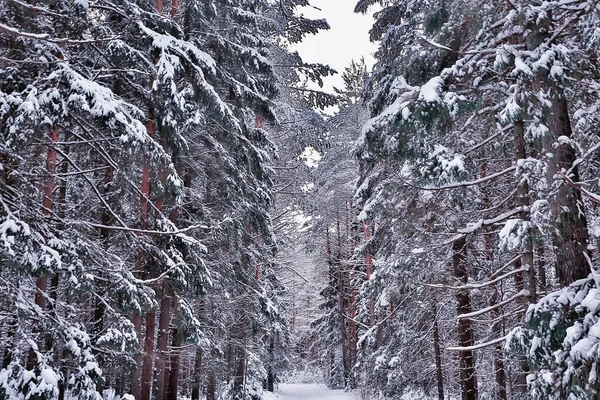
(506, 89)
(130, 147)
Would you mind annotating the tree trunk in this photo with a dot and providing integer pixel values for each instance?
(342, 307)
(488, 245)
(541, 260)
(570, 235)
(270, 369)
(211, 389)
(465, 331)
(438, 355)
(174, 8)
(175, 363)
(197, 384)
(499, 371)
(369, 269)
(523, 200)
(136, 387)
(239, 379)
(41, 284)
(148, 356)
(163, 343)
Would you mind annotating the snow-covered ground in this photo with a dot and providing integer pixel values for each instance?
(307, 391)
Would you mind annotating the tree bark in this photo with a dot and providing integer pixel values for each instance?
(270, 369)
(570, 235)
(465, 331)
(197, 384)
(162, 343)
(499, 371)
(524, 201)
(136, 388)
(41, 284)
(369, 268)
(211, 389)
(148, 356)
(438, 355)
(239, 379)
(175, 363)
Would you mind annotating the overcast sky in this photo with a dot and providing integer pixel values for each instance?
(347, 39)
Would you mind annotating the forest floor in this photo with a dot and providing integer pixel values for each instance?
(307, 391)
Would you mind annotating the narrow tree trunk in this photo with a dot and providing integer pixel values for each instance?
(239, 379)
(211, 388)
(465, 330)
(342, 306)
(197, 384)
(175, 362)
(438, 355)
(528, 281)
(488, 245)
(148, 356)
(499, 371)
(523, 200)
(136, 387)
(41, 284)
(162, 343)
(541, 261)
(271, 369)
(369, 268)
(136, 381)
(519, 386)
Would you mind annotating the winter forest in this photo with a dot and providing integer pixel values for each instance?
(180, 218)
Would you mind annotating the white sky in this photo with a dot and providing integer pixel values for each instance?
(347, 39)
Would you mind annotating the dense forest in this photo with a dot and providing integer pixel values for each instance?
(179, 219)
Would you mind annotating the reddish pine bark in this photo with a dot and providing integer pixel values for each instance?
(41, 284)
(148, 356)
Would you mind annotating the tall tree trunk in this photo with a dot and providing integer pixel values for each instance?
(499, 370)
(369, 268)
(148, 356)
(271, 369)
(136, 384)
(239, 379)
(528, 281)
(488, 245)
(197, 380)
(524, 201)
(570, 234)
(211, 389)
(465, 330)
(438, 354)
(541, 261)
(163, 343)
(41, 284)
(519, 386)
(342, 307)
(137, 381)
(175, 363)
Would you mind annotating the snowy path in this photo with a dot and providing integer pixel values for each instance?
(303, 391)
